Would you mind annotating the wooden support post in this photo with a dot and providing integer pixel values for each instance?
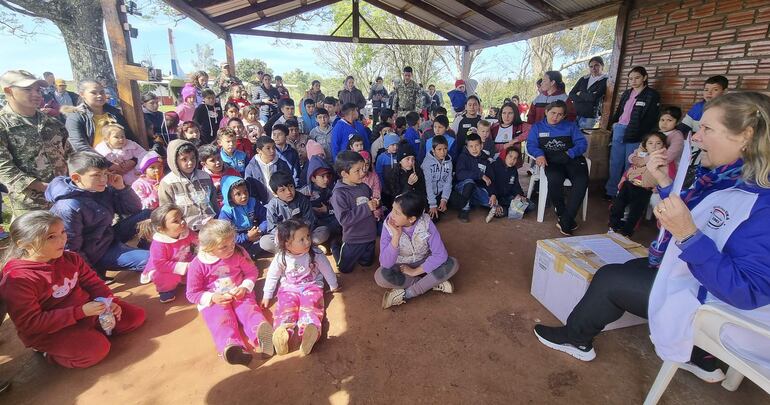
(356, 21)
(230, 56)
(618, 51)
(126, 72)
(466, 68)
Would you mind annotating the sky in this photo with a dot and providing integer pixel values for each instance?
(51, 53)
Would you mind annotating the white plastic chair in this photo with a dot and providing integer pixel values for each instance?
(708, 323)
(654, 200)
(538, 174)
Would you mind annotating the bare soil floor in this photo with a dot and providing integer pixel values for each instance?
(475, 346)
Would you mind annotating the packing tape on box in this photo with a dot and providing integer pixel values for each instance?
(582, 259)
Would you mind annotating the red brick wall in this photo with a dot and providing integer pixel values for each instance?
(683, 42)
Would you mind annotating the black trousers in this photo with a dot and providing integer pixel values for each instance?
(615, 289)
(576, 170)
(355, 253)
(636, 199)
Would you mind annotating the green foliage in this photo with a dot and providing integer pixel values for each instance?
(246, 69)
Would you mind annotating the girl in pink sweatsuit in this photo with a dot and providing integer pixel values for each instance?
(301, 270)
(220, 280)
(172, 250)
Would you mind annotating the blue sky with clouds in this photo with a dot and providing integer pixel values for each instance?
(46, 50)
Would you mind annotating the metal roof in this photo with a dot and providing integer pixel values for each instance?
(472, 23)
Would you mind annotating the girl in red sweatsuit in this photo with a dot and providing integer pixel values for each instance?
(50, 295)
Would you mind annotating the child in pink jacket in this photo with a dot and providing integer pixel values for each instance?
(146, 186)
(172, 250)
(120, 151)
(220, 280)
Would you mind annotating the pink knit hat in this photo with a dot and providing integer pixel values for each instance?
(314, 148)
(188, 91)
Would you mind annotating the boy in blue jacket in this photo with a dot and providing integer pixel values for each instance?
(227, 140)
(412, 135)
(472, 181)
(283, 148)
(345, 128)
(87, 202)
(247, 214)
(558, 147)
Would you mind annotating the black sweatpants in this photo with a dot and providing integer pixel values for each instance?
(576, 170)
(615, 289)
(355, 253)
(636, 199)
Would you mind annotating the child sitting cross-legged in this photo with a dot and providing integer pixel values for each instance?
(355, 210)
(87, 202)
(220, 281)
(172, 250)
(301, 270)
(123, 153)
(413, 258)
(237, 159)
(51, 295)
(289, 204)
(505, 185)
(212, 164)
(146, 186)
(248, 216)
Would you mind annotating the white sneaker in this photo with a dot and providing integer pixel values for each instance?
(265, 338)
(393, 297)
(707, 376)
(491, 214)
(145, 278)
(445, 287)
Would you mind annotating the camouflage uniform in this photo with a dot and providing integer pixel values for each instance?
(30, 152)
(407, 98)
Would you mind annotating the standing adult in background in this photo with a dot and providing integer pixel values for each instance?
(550, 89)
(436, 99)
(112, 94)
(316, 94)
(199, 81)
(407, 95)
(33, 145)
(350, 94)
(84, 125)
(49, 105)
(226, 79)
(588, 94)
(282, 90)
(63, 96)
(377, 93)
(636, 116)
(266, 96)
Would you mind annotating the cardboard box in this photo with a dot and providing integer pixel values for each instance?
(564, 268)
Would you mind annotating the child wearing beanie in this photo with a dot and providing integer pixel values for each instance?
(387, 160)
(407, 176)
(186, 108)
(146, 186)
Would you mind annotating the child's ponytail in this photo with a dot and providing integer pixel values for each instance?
(30, 230)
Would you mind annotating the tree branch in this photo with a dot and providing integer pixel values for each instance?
(49, 10)
(583, 59)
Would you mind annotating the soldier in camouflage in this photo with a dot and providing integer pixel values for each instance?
(33, 146)
(408, 95)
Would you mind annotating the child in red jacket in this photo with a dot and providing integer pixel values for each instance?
(51, 295)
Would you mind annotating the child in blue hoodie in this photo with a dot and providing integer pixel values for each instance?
(558, 147)
(87, 202)
(227, 140)
(386, 160)
(412, 135)
(247, 214)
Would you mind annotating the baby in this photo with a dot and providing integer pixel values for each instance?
(121, 152)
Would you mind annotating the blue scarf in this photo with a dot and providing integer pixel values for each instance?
(708, 181)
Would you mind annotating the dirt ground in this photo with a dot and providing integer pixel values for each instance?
(474, 346)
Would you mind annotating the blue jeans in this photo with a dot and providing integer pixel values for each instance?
(120, 256)
(472, 194)
(619, 153)
(586, 123)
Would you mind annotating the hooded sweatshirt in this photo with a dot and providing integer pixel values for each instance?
(505, 180)
(419, 243)
(319, 197)
(258, 175)
(438, 178)
(184, 110)
(343, 131)
(208, 274)
(194, 193)
(88, 215)
(44, 298)
(169, 255)
(558, 143)
(324, 137)
(279, 211)
(243, 217)
(238, 160)
(471, 167)
(351, 208)
(216, 178)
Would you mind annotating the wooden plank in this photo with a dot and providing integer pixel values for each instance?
(356, 19)
(452, 20)
(484, 12)
(547, 9)
(588, 16)
(329, 38)
(229, 55)
(618, 49)
(126, 73)
(197, 16)
(280, 16)
(204, 3)
(253, 8)
(416, 21)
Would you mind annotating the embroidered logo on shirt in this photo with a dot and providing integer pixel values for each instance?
(362, 200)
(59, 291)
(719, 216)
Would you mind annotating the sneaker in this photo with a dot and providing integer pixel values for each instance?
(265, 337)
(464, 216)
(309, 337)
(323, 249)
(709, 376)
(235, 354)
(556, 338)
(145, 278)
(491, 214)
(393, 297)
(445, 287)
(167, 296)
(564, 230)
(281, 339)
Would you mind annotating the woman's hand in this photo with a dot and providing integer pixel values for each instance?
(93, 308)
(540, 161)
(675, 217)
(658, 167)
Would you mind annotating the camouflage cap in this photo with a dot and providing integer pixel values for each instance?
(20, 78)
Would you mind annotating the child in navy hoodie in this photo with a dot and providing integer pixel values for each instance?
(248, 216)
(355, 211)
(505, 182)
(472, 181)
(320, 181)
(284, 150)
(558, 147)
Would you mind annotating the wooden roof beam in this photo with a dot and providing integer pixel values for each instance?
(416, 21)
(280, 16)
(547, 9)
(329, 38)
(484, 12)
(453, 20)
(252, 8)
(204, 3)
(195, 15)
